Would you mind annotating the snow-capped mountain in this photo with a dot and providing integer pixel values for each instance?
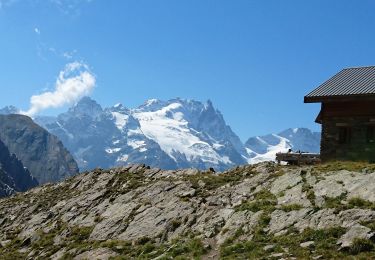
(264, 148)
(191, 133)
(167, 134)
(177, 133)
(104, 137)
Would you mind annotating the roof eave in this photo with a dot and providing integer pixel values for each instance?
(345, 98)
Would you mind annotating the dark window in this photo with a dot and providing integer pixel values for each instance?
(344, 135)
(370, 134)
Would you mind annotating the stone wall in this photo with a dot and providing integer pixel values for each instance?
(357, 147)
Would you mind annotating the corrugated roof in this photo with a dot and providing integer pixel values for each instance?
(348, 82)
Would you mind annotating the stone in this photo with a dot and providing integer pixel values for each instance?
(352, 217)
(322, 219)
(268, 247)
(187, 193)
(307, 244)
(276, 255)
(246, 220)
(4, 243)
(362, 186)
(153, 221)
(113, 220)
(211, 221)
(354, 232)
(294, 196)
(201, 184)
(281, 220)
(328, 188)
(96, 254)
(286, 181)
(355, 185)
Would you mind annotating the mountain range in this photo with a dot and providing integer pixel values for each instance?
(177, 133)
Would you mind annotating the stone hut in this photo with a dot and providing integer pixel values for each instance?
(347, 115)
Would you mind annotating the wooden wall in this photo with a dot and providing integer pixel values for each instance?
(345, 109)
(360, 146)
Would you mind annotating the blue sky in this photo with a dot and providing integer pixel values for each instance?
(254, 59)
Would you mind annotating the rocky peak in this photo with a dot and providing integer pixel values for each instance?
(151, 105)
(86, 107)
(119, 108)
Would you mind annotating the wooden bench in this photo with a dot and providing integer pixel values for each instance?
(298, 158)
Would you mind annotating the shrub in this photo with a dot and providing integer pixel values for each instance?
(361, 203)
(263, 200)
(361, 245)
(291, 207)
(345, 165)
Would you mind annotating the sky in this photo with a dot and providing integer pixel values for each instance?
(255, 60)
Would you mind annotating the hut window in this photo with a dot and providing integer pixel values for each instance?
(344, 134)
(370, 134)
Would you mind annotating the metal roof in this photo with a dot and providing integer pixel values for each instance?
(350, 82)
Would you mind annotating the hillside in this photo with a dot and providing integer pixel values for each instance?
(13, 175)
(41, 152)
(263, 210)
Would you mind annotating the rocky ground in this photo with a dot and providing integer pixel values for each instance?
(258, 211)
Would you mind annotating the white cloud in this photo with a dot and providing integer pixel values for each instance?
(73, 82)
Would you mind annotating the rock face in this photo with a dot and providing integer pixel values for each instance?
(137, 211)
(42, 153)
(13, 176)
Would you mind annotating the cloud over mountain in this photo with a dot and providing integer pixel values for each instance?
(74, 81)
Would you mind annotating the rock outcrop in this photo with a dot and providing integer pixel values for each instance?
(250, 212)
(42, 153)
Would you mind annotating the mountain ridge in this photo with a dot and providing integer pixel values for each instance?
(172, 134)
(38, 150)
